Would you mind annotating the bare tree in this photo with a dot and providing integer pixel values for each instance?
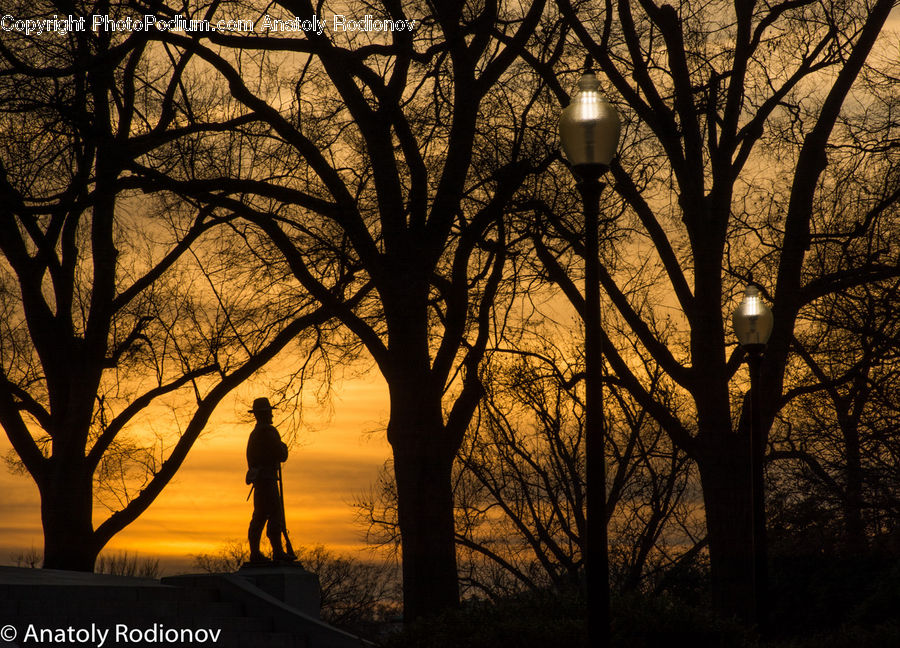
(399, 153)
(118, 564)
(519, 483)
(733, 111)
(836, 442)
(354, 592)
(124, 564)
(111, 315)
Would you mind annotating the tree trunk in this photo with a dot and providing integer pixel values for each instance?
(725, 476)
(423, 460)
(66, 513)
(854, 527)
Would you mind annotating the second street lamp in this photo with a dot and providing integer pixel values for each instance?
(589, 131)
(753, 322)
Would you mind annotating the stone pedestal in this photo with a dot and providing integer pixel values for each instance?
(287, 582)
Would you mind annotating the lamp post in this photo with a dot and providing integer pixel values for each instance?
(753, 322)
(589, 129)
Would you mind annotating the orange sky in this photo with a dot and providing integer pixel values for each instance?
(338, 454)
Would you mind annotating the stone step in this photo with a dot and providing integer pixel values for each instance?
(276, 607)
(111, 609)
(106, 593)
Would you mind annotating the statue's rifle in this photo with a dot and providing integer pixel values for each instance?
(287, 541)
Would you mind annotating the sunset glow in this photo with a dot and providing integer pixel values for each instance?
(338, 455)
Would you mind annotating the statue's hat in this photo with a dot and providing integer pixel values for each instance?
(261, 405)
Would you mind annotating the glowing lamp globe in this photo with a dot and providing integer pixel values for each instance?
(589, 128)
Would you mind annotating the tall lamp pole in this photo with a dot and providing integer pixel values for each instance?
(753, 322)
(589, 129)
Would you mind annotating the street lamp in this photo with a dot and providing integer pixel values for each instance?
(589, 129)
(753, 322)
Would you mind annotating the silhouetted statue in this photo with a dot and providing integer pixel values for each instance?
(265, 453)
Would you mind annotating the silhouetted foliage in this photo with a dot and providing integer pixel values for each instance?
(836, 443)
(519, 484)
(541, 618)
(124, 564)
(227, 559)
(116, 564)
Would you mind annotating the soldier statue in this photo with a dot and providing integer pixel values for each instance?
(265, 453)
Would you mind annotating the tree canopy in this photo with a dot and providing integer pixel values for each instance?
(402, 190)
